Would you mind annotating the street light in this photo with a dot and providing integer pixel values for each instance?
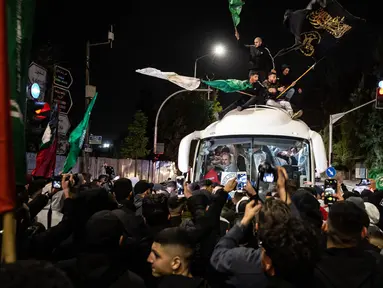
(159, 110)
(218, 50)
(89, 92)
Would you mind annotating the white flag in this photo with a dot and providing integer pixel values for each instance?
(188, 83)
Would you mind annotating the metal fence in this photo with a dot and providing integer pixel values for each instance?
(147, 170)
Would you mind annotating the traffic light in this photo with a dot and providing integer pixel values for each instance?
(379, 96)
(36, 120)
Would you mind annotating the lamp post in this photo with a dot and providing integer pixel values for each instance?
(334, 118)
(219, 50)
(88, 88)
(159, 110)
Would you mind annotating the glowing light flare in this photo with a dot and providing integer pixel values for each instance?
(219, 50)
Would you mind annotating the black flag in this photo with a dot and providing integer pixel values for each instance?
(319, 27)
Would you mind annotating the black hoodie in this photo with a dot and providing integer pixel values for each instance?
(349, 267)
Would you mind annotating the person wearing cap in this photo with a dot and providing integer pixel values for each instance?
(140, 190)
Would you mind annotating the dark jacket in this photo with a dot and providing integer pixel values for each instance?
(260, 59)
(349, 267)
(177, 281)
(242, 264)
(270, 95)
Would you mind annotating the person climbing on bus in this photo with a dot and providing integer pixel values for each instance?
(273, 89)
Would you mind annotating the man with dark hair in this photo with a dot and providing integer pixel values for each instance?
(122, 189)
(140, 190)
(273, 90)
(253, 95)
(155, 211)
(176, 206)
(171, 255)
(290, 251)
(243, 264)
(345, 263)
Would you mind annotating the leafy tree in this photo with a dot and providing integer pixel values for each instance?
(135, 144)
(184, 114)
(342, 150)
(372, 139)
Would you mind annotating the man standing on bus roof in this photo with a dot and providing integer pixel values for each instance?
(260, 59)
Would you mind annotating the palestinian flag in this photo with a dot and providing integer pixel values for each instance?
(235, 7)
(46, 158)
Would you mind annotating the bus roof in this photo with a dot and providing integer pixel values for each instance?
(260, 120)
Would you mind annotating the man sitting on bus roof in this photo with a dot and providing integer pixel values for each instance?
(273, 89)
(253, 95)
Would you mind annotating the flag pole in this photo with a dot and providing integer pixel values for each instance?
(7, 171)
(244, 93)
(300, 77)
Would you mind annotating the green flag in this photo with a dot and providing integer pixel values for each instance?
(20, 16)
(229, 85)
(377, 175)
(235, 7)
(77, 137)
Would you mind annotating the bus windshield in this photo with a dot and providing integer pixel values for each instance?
(220, 159)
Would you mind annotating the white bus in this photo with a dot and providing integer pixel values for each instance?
(243, 140)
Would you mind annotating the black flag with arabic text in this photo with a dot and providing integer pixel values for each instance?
(319, 27)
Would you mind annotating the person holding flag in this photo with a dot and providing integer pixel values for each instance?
(260, 60)
(254, 91)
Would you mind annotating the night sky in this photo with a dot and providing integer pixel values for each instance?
(167, 35)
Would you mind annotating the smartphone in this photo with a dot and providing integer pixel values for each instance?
(268, 177)
(330, 187)
(180, 180)
(56, 183)
(241, 180)
(267, 173)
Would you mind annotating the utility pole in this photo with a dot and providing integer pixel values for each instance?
(90, 91)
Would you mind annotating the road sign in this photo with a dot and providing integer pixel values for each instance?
(331, 172)
(63, 98)
(160, 148)
(38, 74)
(95, 140)
(62, 77)
(64, 124)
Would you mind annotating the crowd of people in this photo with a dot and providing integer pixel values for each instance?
(268, 87)
(137, 234)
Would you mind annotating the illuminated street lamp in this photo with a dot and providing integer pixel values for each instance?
(218, 50)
